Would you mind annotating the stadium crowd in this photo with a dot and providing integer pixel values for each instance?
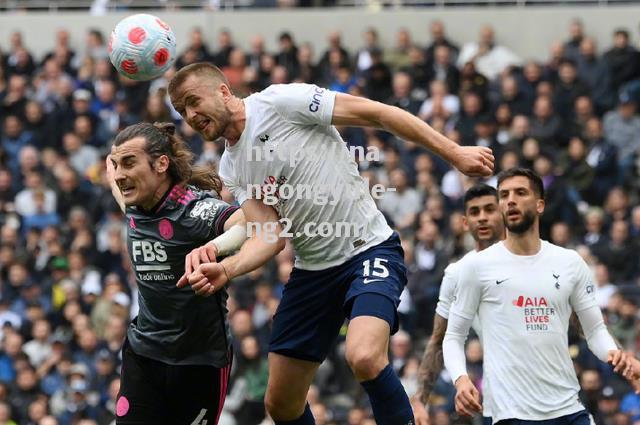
(67, 290)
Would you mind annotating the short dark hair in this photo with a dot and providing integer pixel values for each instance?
(477, 191)
(534, 178)
(567, 61)
(623, 32)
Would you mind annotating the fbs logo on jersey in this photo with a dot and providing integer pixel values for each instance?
(149, 251)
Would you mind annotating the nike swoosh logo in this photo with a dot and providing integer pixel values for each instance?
(498, 282)
(365, 281)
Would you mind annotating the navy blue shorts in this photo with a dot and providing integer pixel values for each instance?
(315, 304)
(579, 418)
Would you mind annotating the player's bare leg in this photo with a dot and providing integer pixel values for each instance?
(367, 355)
(289, 381)
(367, 347)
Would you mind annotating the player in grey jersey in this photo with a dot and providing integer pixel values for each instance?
(178, 340)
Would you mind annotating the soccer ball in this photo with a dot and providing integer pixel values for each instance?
(142, 47)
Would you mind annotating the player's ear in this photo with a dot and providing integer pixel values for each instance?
(162, 164)
(465, 223)
(540, 206)
(226, 92)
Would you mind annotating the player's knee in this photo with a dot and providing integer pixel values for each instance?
(283, 408)
(365, 363)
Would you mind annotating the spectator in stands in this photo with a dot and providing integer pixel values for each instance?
(378, 78)
(546, 126)
(602, 157)
(401, 205)
(623, 60)
(622, 130)
(288, 54)
(604, 288)
(576, 35)
(472, 81)
(439, 38)
(490, 58)
(532, 73)
(403, 93)
(567, 89)
(594, 224)
(225, 47)
(14, 99)
(81, 156)
(418, 70)
(619, 254)
(576, 170)
(307, 71)
(441, 67)
(363, 56)
(398, 56)
(511, 95)
(197, 48)
(472, 110)
(33, 182)
(594, 72)
(556, 206)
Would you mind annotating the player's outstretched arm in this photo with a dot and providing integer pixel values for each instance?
(432, 360)
(358, 111)
(111, 178)
(265, 243)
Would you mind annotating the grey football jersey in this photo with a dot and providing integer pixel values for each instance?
(175, 325)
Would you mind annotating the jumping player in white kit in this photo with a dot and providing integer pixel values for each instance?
(358, 275)
(524, 290)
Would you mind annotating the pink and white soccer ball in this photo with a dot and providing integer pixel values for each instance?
(142, 47)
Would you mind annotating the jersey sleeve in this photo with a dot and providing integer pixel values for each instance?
(205, 217)
(303, 104)
(447, 291)
(228, 177)
(583, 294)
(468, 291)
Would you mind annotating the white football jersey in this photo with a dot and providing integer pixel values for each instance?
(524, 304)
(293, 154)
(446, 298)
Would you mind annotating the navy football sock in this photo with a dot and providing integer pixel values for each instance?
(389, 401)
(305, 419)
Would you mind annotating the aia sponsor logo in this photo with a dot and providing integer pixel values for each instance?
(523, 301)
(537, 314)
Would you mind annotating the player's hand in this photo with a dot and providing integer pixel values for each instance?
(420, 412)
(207, 279)
(619, 360)
(205, 254)
(632, 372)
(467, 397)
(474, 161)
